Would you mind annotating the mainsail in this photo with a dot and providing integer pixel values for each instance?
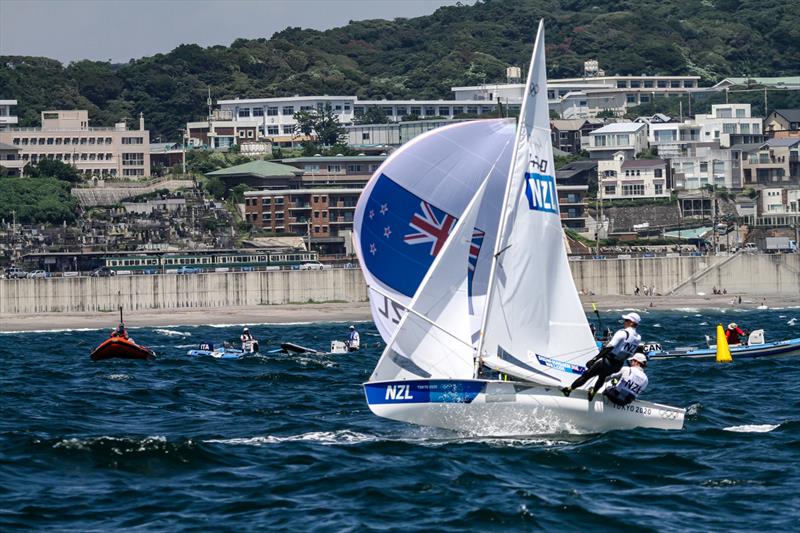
(534, 325)
(413, 202)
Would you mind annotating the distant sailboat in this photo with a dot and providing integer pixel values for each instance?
(456, 319)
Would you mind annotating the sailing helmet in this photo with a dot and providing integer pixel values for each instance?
(732, 325)
(352, 327)
(245, 329)
(639, 358)
(633, 317)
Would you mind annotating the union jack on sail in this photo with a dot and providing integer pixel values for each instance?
(430, 228)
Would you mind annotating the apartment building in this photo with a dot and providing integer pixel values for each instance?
(706, 163)
(10, 160)
(623, 178)
(572, 136)
(775, 162)
(573, 188)
(66, 136)
(326, 214)
(727, 124)
(629, 138)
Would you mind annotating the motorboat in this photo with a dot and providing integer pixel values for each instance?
(121, 346)
(755, 347)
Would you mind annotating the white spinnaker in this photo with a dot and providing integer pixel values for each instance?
(533, 307)
(444, 167)
(433, 339)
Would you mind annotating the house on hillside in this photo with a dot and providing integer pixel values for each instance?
(779, 206)
(630, 138)
(783, 123)
(622, 178)
(573, 188)
(572, 136)
(705, 163)
(259, 174)
(11, 161)
(775, 162)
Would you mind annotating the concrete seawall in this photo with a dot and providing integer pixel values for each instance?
(173, 291)
(756, 275)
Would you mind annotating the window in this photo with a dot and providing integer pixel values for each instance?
(416, 111)
(659, 189)
(51, 141)
(472, 110)
(346, 108)
(728, 128)
(740, 113)
(644, 98)
(273, 130)
(444, 111)
(132, 159)
(458, 110)
(675, 84)
(633, 190)
(58, 140)
(92, 140)
(288, 110)
(266, 201)
(622, 84)
(83, 141)
(272, 111)
(745, 128)
(635, 84)
(244, 112)
(430, 111)
(387, 110)
(258, 112)
(365, 136)
(288, 129)
(334, 168)
(358, 110)
(657, 173)
(133, 172)
(306, 108)
(402, 110)
(610, 189)
(662, 84)
(648, 84)
(688, 83)
(242, 134)
(125, 140)
(354, 168)
(599, 140)
(703, 167)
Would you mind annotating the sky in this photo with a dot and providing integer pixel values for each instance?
(120, 30)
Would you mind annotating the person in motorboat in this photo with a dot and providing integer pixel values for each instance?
(622, 345)
(248, 341)
(353, 341)
(627, 384)
(120, 331)
(734, 334)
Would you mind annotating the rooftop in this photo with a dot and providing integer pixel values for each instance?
(643, 163)
(785, 142)
(620, 127)
(261, 169)
(792, 115)
(335, 159)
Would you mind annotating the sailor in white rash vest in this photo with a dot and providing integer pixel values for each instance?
(611, 358)
(632, 381)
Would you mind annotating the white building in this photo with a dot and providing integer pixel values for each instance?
(778, 206)
(630, 138)
(706, 164)
(622, 178)
(7, 117)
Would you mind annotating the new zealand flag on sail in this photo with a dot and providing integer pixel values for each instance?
(401, 234)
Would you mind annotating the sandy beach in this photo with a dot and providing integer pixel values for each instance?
(344, 312)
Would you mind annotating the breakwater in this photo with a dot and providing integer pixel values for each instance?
(756, 275)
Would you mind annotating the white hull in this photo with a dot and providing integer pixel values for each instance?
(503, 408)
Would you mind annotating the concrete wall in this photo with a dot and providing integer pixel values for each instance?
(742, 273)
(173, 291)
(621, 276)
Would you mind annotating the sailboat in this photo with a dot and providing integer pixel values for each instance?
(480, 343)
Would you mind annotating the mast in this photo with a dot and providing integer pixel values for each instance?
(507, 195)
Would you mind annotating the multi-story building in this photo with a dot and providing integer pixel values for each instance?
(727, 124)
(630, 138)
(779, 206)
(66, 136)
(573, 188)
(704, 164)
(622, 178)
(783, 123)
(585, 97)
(775, 162)
(326, 214)
(572, 136)
(7, 117)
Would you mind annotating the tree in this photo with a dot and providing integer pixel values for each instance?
(53, 168)
(321, 127)
(373, 115)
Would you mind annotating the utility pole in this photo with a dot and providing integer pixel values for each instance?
(765, 101)
(308, 225)
(599, 224)
(184, 135)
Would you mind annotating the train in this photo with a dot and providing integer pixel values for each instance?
(209, 261)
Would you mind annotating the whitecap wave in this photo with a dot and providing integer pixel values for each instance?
(84, 444)
(173, 333)
(118, 377)
(753, 428)
(322, 437)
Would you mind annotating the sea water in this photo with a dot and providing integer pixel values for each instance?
(278, 441)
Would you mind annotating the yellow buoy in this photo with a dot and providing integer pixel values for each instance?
(723, 352)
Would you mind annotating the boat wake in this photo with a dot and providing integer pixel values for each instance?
(322, 437)
(173, 333)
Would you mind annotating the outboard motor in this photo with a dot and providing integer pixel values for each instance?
(756, 337)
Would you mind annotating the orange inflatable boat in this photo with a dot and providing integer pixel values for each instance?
(121, 348)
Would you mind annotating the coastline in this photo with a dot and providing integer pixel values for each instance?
(346, 312)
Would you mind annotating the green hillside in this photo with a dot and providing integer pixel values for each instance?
(421, 57)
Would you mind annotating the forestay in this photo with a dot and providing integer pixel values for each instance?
(433, 339)
(535, 327)
(412, 203)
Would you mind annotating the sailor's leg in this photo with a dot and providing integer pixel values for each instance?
(591, 372)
